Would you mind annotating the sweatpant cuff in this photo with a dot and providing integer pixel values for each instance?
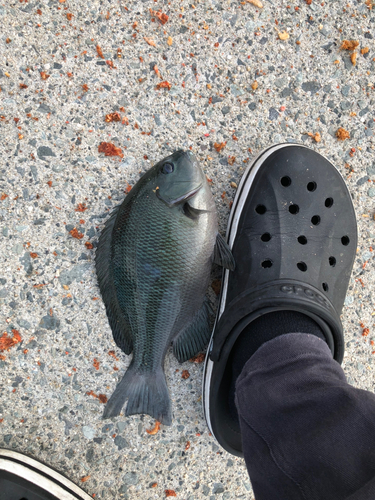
(284, 349)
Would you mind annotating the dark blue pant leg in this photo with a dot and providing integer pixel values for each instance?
(307, 434)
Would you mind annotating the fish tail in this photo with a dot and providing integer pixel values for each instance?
(145, 392)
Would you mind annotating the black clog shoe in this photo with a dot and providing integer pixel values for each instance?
(293, 234)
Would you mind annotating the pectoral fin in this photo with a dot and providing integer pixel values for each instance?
(191, 212)
(222, 254)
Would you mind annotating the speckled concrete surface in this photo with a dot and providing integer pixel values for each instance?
(55, 93)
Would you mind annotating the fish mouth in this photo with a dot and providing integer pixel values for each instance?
(181, 199)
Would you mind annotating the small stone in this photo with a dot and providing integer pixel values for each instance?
(345, 90)
(17, 380)
(43, 108)
(349, 300)
(236, 91)
(273, 114)
(44, 151)
(281, 82)
(34, 172)
(121, 442)
(3, 293)
(158, 120)
(371, 192)
(233, 20)
(128, 161)
(362, 180)
(90, 455)
(362, 104)
(17, 249)
(121, 426)
(67, 276)
(205, 490)
(312, 87)
(348, 63)
(7, 438)
(217, 488)
(247, 485)
(345, 105)
(69, 453)
(88, 432)
(107, 428)
(130, 478)
(59, 168)
(287, 92)
(250, 26)
(39, 222)
(91, 232)
(24, 324)
(49, 322)
(225, 110)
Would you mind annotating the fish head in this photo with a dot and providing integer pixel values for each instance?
(179, 178)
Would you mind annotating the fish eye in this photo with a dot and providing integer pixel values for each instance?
(168, 168)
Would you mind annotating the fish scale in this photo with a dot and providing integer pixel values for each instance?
(153, 264)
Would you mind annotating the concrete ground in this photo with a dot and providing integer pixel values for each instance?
(236, 78)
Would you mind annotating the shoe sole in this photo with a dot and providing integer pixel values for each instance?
(40, 475)
(234, 217)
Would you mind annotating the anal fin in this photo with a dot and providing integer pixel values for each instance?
(195, 336)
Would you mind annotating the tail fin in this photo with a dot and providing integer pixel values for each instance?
(146, 393)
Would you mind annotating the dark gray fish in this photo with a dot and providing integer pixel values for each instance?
(153, 264)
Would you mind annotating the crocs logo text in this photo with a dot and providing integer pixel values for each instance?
(298, 290)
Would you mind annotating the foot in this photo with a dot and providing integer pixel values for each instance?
(22, 477)
(292, 232)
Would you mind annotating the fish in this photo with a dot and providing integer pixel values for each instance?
(153, 264)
